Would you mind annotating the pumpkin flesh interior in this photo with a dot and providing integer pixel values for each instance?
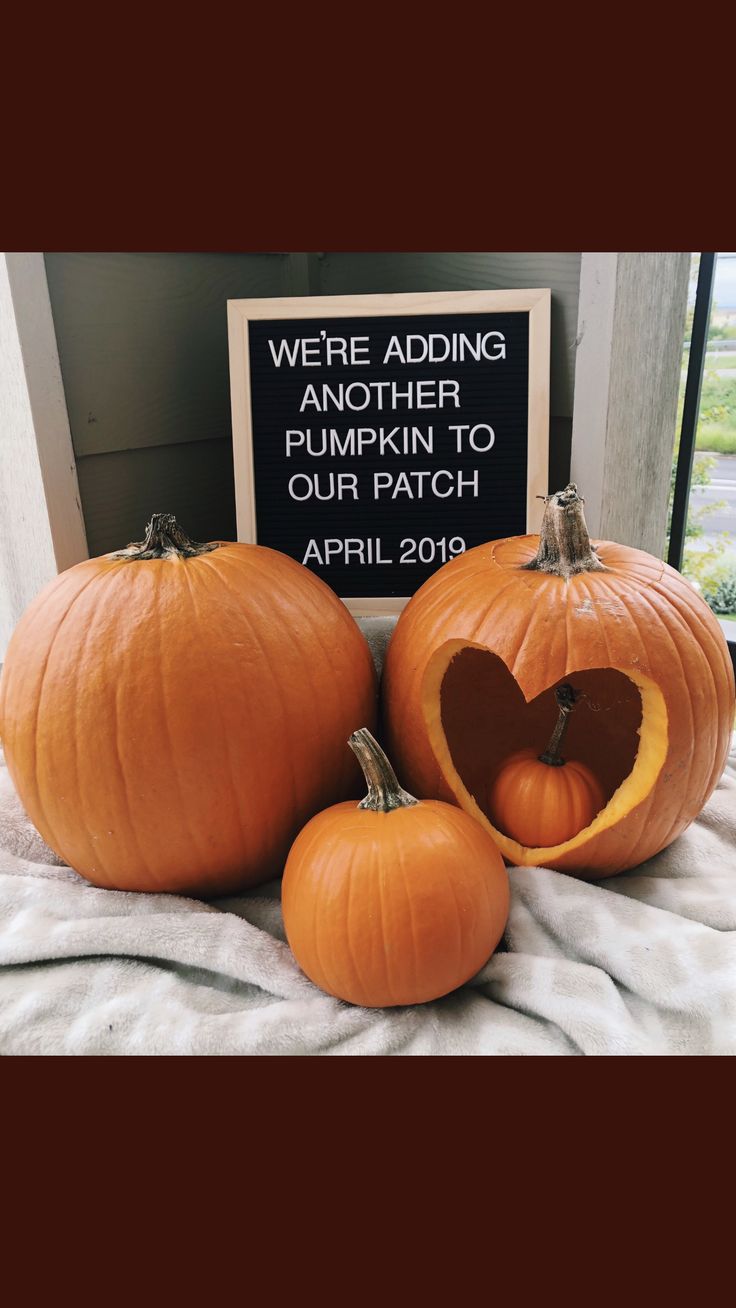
(477, 716)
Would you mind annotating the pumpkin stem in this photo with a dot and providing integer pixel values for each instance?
(566, 696)
(384, 791)
(564, 543)
(165, 540)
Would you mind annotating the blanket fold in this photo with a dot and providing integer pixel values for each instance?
(644, 963)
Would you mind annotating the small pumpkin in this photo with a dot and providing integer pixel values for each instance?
(544, 799)
(395, 901)
(173, 713)
(478, 652)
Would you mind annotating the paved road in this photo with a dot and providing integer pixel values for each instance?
(722, 490)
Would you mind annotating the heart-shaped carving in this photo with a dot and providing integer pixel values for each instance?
(486, 718)
(477, 716)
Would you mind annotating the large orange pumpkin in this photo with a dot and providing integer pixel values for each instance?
(477, 655)
(172, 714)
(392, 901)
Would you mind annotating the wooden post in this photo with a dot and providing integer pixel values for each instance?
(41, 524)
(631, 318)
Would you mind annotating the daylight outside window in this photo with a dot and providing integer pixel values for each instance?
(709, 558)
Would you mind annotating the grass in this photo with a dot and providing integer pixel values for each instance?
(716, 437)
(720, 362)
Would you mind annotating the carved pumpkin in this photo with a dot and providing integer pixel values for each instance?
(392, 901)
(173, 714)
(477, 654)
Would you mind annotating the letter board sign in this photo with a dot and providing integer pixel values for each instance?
(375, 437)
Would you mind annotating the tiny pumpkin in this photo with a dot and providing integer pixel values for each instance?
(544, 799)
(173, 713)
(395, 901)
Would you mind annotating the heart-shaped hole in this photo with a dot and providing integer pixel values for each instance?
(486, 719)
(478, 717)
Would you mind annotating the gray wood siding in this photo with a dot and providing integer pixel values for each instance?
(143, 351)
(121, 490)
(143, 343)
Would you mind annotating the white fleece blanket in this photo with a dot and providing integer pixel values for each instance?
(644, 963)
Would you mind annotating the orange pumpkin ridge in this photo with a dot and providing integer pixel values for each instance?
(477, 654)
(172, 714)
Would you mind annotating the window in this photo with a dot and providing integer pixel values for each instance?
(702, 540)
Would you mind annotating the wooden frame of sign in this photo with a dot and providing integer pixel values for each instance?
(309, 367)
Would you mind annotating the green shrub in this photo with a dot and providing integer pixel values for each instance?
(717, 398)
(713, 573)
(723, 598)
(706, 568)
